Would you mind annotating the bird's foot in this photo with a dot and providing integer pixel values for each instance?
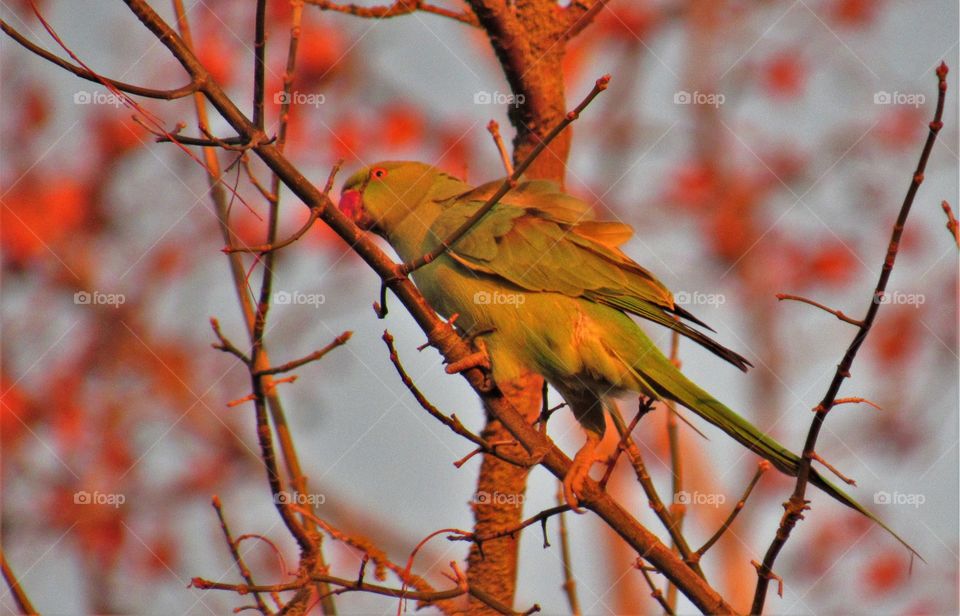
(580, 470)
(478, 359)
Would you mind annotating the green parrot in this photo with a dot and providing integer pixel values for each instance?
(545, 288)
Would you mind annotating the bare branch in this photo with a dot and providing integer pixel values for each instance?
(796, 505)
(451, 422)
(569, 582)
(833, 469)
(494, 130)
(292, 365)
(19, 596)
(273, 246)
(398, 8)
(664, 513)
(311, 219)
(762, 467)
(836, 313)
(440, 334)
(541, 517)
(655, 591)
(952, 225)
(581, 14)
(237, 557)
(839, 401)
(225, 344)
(89, 75)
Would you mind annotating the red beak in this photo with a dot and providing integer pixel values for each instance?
(351, 204)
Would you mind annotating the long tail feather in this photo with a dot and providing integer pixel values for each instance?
(656, 370)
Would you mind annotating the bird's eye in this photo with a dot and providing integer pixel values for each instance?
(378, 173)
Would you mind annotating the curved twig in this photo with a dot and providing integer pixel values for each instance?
(797, 504)
(89, 75)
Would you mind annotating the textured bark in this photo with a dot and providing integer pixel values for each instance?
(498, 503)
(529, 41)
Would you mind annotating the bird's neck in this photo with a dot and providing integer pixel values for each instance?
(412, 236)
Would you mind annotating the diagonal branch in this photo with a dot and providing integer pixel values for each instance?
(19, 596)
(796, 505)
(398, 8)
(89, 75)
(440, 334)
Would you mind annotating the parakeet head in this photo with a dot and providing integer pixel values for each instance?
(381, 196)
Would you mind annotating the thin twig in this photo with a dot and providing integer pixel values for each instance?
(398, 8)
(277, 415)
(762, 467)
(311, 219)
(237, 557)
(281, 561)
(494, 129)
(569, 581)
(833, 469)
(796, 505)
(225, 344)
(259, 65)
(451, 422)
(264, 192)
(441, 335)
(344, 584)
(462, 535)
(232, 143)
(292, 365)
(662, 511)
(952, 225)
(836, 313)
(644, 407)
(677, 509)
(89, 75)
(508, 183)
(840, 401)
(655, 591)
(19, 596)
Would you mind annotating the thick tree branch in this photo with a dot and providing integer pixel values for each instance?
(440, 334)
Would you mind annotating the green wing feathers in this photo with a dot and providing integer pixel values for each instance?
(542, 240)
